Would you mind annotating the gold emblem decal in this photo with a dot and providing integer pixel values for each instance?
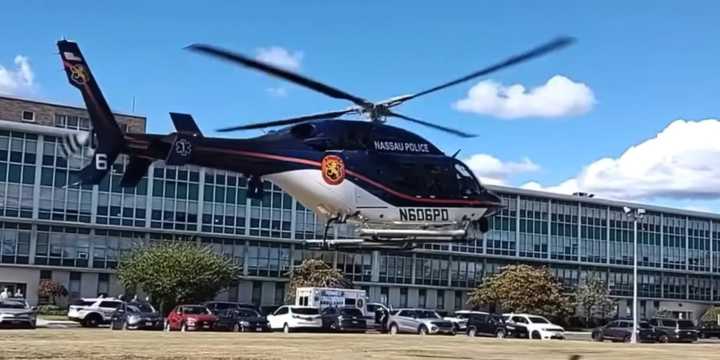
(78, 74)
(333, 169)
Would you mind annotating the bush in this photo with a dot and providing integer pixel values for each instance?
(52, 310)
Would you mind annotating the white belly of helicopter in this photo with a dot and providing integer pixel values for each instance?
(349, 199)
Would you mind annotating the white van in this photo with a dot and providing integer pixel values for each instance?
(321, 298)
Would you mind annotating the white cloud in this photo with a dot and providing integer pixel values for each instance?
(277, 91)
(558, 97)
(280, 57)
(491, 170)
(19, 80)
(680, 162)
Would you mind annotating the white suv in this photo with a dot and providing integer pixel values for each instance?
(291, 318)
(92, 312)
(537, 326)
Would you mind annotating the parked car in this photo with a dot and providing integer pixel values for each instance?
(671, 330)
(190, 317)
(91, 312)
(419, 321)
(291, 318)
(242, 320)
(136, 315)
(535, 326)
(490, 325)
(17, 312)
(621, 330)
(460, 318)
(708, 329)
(218, 306)
(343, 319)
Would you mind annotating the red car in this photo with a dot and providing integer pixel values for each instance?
(190, 317)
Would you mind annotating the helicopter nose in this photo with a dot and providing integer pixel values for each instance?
(492, 199)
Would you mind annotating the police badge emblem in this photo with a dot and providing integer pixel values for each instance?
(333, 169)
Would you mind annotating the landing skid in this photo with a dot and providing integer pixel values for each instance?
(402, 239)
(358, 244)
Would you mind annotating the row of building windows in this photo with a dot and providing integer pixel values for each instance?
(194, 199)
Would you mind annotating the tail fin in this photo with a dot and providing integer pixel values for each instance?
(110, 139)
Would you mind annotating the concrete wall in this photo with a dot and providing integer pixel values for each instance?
(11, 109)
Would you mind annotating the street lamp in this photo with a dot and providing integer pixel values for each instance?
(635, 215)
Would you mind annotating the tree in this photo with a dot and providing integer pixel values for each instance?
(176, 272)
(51, 289)
(315, 273)
(522, 289)
(593, 295)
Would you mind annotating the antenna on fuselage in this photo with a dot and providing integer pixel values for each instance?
(456, 153)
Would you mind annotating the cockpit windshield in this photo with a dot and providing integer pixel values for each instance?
(468, 184)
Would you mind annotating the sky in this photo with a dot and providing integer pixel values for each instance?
(628, 112)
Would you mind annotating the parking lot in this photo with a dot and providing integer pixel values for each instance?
(79, 343)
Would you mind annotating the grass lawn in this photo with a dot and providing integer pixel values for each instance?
(106, 344)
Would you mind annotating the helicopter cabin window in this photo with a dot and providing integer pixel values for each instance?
(425, 180)
(466, 182)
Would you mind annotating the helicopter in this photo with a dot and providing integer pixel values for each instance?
(397, 188)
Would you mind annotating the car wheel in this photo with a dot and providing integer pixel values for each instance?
(236, 327)
(536, 335)
(286, 328)
(500, 334)
(472, 332)
(393, 329)
(92, 320)
(167, 326)
(183, 327)
(597, 337)
(422, 330)
(663, 339)
(453, 332)
(124, 325)
(627, 338)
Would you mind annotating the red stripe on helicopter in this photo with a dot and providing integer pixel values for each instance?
(355, 174)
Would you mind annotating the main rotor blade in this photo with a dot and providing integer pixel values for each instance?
(437, 127)
(278, 72)
(536, 52)
(290, 121)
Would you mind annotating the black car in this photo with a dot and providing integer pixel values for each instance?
(343, 319)
(216, 307)
(708, 329)
(491, 325)
(621, 330)
(244, 319)
(671, 330)
(136, 315)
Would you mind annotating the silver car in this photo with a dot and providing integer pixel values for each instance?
(17, 312)
(418, 321)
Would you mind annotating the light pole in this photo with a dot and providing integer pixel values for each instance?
(635, 215)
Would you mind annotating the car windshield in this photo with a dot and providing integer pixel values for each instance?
(195, 310)
(669, 323)
(685, 324)
(644, 325)
(305, 311)
(140, 308)
(427, 315)
(12, 304)
(538, 320)
(351, 312)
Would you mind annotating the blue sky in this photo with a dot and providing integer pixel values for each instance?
(645, 64)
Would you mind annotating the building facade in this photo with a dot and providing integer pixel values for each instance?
(50, 229)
